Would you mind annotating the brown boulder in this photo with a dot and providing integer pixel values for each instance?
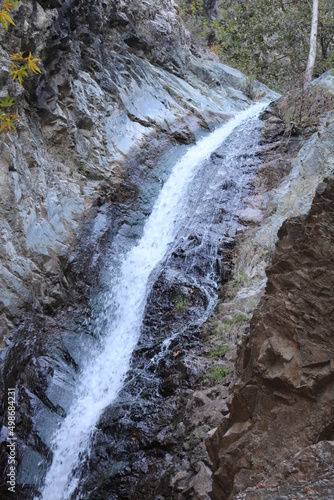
(285, 398)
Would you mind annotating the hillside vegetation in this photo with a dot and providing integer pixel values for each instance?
(266, 40)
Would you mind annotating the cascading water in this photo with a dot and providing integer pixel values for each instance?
(101, 380)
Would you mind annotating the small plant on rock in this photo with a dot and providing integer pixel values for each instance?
(221, 328)
(217, 373)
(21, 67)
(181, 305)
(220, 353)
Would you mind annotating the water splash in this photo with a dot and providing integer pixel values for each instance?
(102, 378)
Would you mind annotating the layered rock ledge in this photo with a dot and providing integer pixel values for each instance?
(283, 403)
(117, 78)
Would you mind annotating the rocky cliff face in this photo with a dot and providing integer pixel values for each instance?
(284, 401)
(115, 77)
(120, 88)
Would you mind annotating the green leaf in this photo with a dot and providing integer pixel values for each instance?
(7, 102)
(19, 73)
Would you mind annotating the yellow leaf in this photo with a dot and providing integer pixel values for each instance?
(8, 122)
(7, 6)
(2, 126)
(17, 57)
(11, 4)
(5, 19)
(32, 66)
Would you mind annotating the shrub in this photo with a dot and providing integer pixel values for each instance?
(220, 353)
(21, 67)
(217, 373)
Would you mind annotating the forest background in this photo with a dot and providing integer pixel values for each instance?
(267, 40)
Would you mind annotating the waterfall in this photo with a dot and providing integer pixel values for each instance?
(101, 380)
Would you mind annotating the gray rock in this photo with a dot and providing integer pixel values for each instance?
(113, 77)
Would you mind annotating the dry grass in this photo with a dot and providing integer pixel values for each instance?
(302, 109)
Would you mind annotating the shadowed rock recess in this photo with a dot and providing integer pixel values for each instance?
(278, 432)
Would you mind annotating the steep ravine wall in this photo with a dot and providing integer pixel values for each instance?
(276, 437)
(292, 168)
(284, 186)
(116, 78)
(119, 90)
(120, 87)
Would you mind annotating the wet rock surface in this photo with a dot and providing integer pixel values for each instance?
(283, 402)
(109, 104)
(119, 89)
(145, 437)
(174, 461)
(116, 77)
(166, 446)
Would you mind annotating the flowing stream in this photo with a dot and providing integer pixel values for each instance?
(101, 380)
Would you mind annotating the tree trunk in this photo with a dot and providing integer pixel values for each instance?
(313, 45)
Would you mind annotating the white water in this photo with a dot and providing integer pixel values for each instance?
(101, 380)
